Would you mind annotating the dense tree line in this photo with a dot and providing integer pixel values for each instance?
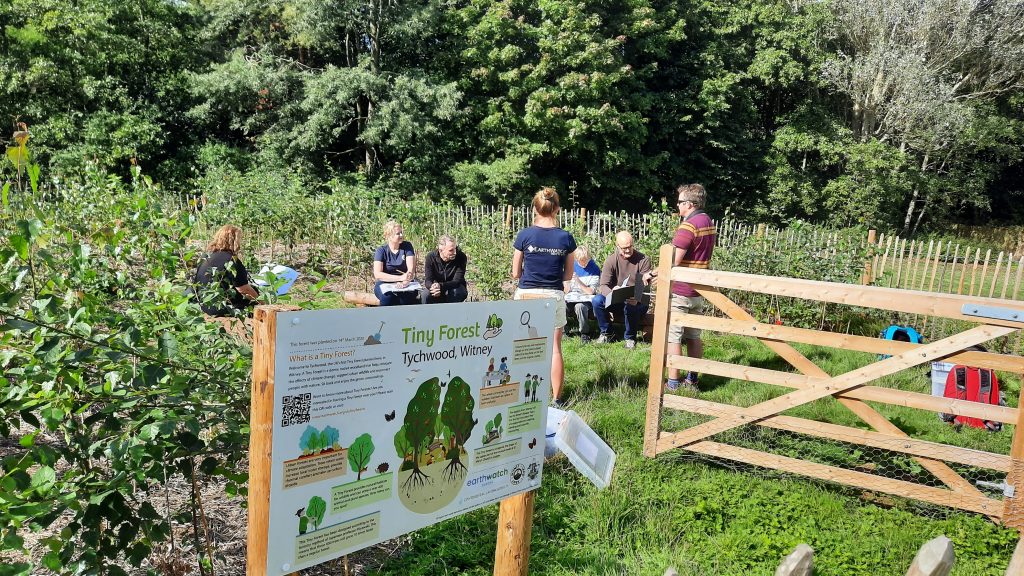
(901, 114)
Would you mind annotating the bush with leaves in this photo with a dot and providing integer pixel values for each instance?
(840, 258)
(113, 383)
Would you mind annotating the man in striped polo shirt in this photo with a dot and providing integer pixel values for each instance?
(694, 242)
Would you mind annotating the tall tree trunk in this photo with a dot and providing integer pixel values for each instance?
(910, 213)
(373, 35)
(920, 216)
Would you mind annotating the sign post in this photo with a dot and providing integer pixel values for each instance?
(370, 423)
(515, 524)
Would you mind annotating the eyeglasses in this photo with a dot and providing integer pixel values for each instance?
(683, 201)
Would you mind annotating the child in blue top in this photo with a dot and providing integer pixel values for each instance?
(543, 263)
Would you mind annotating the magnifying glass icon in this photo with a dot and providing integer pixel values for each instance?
(524, 319)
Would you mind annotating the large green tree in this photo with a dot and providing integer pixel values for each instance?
(100, 81)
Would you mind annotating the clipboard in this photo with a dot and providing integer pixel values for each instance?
(620, 294)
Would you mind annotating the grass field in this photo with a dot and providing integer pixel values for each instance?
(707, 517)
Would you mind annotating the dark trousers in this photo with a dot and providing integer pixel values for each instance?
(631, 313)
(395, 298)
(457, 294)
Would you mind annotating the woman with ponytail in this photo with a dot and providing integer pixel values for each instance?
(543, 264)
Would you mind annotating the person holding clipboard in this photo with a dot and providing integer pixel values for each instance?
(625, 273)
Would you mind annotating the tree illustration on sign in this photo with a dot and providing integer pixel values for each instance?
(359, 455)
(330, 438)
(316, 509)
(403, 448)
(457, 415)
(493, 326)
(419, 425)
(493, 429)
(310, 441)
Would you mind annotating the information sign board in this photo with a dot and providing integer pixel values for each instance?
(387, 420)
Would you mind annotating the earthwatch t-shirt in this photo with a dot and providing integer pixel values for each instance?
(544, 251)
(394, 262)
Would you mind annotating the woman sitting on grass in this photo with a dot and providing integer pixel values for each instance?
(224, 270)
(394, 269)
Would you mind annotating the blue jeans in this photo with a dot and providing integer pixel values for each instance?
(395, 298)
(630, 312)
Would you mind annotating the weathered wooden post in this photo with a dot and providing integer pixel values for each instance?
(800, 562)
(1016, 566)
(659, 340)
(866, 277)
(515, 524)
(935, 558)
(261, 424)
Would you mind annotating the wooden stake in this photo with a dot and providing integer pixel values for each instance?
(1006, 281)
(995, 275)
(866, 278)
(885, 257)
(261, 425)
(935, 558)
(659, 340)
(984, 271)
(935, 265)
(927, 261)
(899, 264)
(1013, 507)
(963, 270)
(515, 524)
(974, 271)
(1016, 567)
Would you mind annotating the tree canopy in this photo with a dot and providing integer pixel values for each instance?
(843, 111)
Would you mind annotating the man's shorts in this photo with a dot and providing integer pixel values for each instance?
(530, 293)
(689, 305)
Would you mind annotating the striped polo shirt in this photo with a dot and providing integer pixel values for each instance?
(695, 236)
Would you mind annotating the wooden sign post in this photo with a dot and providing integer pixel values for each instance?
(330, 384)
(515, 524)
(261, 426)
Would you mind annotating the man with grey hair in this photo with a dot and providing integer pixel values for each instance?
(445, 273)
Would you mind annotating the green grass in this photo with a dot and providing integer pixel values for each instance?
(707, 517)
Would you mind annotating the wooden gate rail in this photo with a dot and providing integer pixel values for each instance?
(849, 389)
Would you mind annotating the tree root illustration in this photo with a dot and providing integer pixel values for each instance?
(416, 480)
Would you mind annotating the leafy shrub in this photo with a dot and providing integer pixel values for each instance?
(112, 382)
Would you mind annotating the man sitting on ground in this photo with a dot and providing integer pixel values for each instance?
(445, 273)
(620, 269)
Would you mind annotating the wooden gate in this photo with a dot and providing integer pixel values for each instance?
(989, 317)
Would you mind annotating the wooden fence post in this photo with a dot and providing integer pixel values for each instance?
(659, 342)
(261, 426)
(1013, 506)
(866, 277)
(1016, 566)
(935, 558)
(800, 562)
(515, 523)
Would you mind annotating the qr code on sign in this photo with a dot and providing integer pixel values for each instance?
(295, 409)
